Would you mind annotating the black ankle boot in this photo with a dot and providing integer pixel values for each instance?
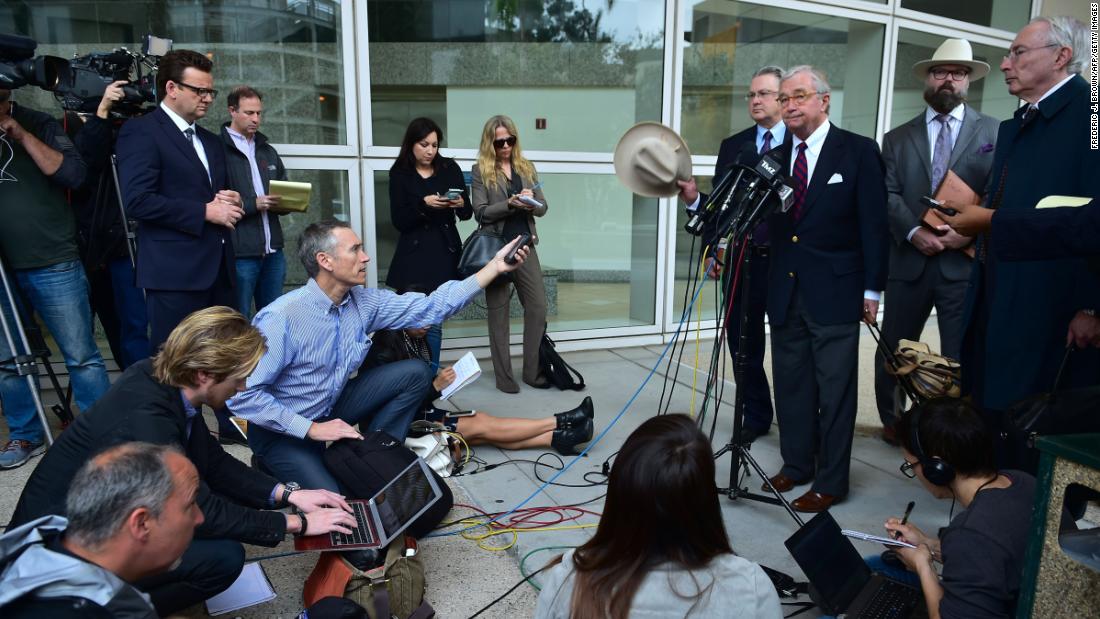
(577, 416)
(565, 441)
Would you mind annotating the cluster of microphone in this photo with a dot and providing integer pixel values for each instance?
(750, 190)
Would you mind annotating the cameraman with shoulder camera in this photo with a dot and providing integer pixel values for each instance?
(119, 304)
(38, 242)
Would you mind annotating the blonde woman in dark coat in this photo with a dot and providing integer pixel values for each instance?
(501, 177)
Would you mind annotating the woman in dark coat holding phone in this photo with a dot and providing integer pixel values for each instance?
(427, 192)
(507, 199)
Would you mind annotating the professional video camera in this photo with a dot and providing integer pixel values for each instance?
(79, 83)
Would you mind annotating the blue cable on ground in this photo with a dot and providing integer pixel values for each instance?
(599, 437)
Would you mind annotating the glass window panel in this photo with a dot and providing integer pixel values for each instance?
(987, 95)
(330, 200)
(597, 246)
(461, 61)
(292, 52)
(1008, 15)
(729, 41)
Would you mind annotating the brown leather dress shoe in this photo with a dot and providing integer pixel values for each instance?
(781, 483)
(814, 502)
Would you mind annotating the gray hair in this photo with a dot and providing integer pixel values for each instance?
(110, 486)
(1066, 31)
(772, 70)
(317, 238)
(821, 85)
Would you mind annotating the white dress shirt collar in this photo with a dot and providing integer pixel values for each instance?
(1054, 88)
(178, 120)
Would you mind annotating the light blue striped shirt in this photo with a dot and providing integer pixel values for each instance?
(314, 346)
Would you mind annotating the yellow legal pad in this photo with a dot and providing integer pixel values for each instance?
(294, 197)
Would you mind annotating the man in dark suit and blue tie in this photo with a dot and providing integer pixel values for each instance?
(172, 174)
(766, 134)
(828, 269)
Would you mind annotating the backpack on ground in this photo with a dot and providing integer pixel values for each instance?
(557, 372)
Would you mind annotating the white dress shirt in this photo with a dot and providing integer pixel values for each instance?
(955, 121)
(248, 149)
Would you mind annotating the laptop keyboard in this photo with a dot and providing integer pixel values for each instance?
(361, 534)
(893, 600)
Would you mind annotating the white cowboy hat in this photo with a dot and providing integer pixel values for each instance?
(650, 158)
(953, 51)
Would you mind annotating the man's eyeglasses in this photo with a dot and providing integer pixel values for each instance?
(1014, 54)
(799, 97)
(201, 92)
(501, 142)
(763, 94)
(956, 74)
(906, 469)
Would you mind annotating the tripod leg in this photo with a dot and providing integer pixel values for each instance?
(25, 365)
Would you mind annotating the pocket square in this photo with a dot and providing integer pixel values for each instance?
(835, 178)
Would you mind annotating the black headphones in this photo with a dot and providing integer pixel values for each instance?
(936, 470)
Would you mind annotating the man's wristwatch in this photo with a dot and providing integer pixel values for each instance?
(288, 487)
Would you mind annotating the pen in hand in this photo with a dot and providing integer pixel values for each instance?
(905, 518)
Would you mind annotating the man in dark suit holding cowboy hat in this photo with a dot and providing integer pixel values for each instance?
(767, 133)
(928, 266)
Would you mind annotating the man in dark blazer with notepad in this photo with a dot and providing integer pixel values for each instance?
(929, 267)
(828, 269)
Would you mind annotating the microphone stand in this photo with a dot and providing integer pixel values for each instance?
(742, 460)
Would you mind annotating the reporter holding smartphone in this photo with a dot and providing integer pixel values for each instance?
(423, 208)
(507, 198)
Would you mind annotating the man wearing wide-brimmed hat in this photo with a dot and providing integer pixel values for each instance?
(928, 266)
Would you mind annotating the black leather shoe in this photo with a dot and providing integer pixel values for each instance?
(576, 417)
(565, 441)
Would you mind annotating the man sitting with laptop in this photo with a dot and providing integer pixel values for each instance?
(948, 447)
(158, 400)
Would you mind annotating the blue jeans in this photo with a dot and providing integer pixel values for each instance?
(386, 398)
(259, 278)
(133, 322)
(434, 337)
(59, 295)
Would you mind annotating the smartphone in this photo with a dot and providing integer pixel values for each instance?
(936, 204)
(453, 414)
(523, 240)
(453, 194)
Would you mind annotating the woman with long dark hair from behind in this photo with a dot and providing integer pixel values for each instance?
(661, 549)
(427, 193)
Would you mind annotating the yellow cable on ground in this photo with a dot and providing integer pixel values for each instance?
(480, 538)
(698, 329)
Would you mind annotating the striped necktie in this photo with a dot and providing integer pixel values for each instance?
(801, 180)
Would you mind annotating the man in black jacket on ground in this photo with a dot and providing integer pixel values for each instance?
(205, 360)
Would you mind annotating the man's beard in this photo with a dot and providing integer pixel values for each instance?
(943, 100)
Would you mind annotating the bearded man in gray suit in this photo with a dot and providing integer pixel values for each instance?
(928, 266)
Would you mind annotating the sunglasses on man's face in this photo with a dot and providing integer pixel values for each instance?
(501, 142)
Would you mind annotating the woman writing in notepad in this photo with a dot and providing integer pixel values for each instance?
(507, 198)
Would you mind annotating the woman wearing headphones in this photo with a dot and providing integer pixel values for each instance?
(507, 198)
(948, 447)
(661, 548)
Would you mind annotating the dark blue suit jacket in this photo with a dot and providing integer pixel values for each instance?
(840, 246)
(165, 188)
(1017, 313)
(1047, 234)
